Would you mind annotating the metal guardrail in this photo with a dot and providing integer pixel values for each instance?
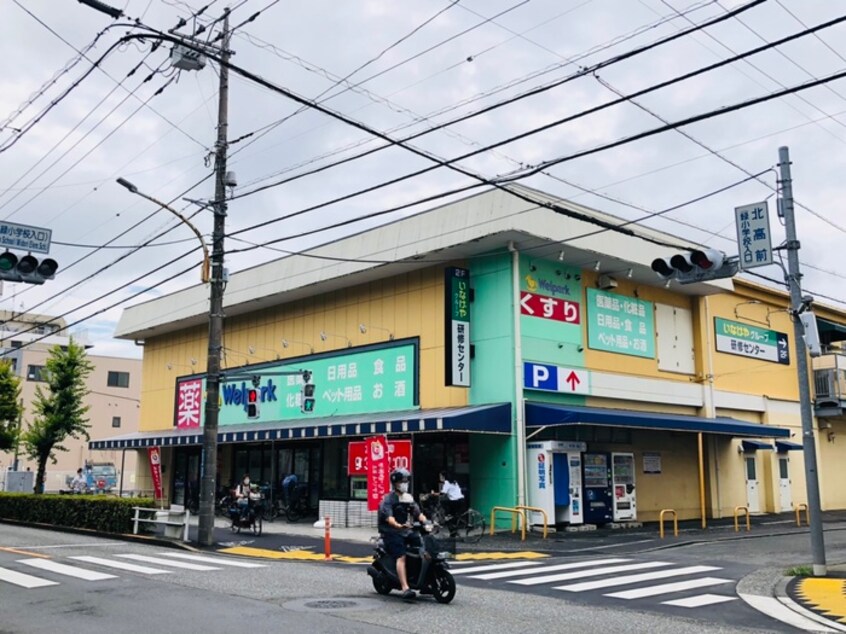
(516, 515)
(675, 522)
(803, 507)
(737, 510)
(537, 510)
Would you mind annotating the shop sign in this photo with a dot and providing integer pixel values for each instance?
(399, 456)
(154, 455)
(381, 379)
(621, 324)
(457, 303)
(734, 337)
(378, 475)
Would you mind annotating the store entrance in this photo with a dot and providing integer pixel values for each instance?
(186, 477)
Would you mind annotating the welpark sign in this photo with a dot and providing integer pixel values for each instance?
(371, 379)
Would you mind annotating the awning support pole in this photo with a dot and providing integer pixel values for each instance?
(701, 479)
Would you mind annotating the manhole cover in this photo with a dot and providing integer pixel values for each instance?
(330, 604)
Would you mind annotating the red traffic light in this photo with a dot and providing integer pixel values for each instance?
(252, 396)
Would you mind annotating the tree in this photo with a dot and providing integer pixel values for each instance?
(59, 412)
(10, 408)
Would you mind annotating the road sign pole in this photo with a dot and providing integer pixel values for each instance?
(809, 449)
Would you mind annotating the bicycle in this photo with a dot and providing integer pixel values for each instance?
(468, 526)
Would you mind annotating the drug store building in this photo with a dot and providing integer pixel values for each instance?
(485, 333)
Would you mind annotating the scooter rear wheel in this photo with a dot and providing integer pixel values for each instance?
(381, 585)
(443, 586)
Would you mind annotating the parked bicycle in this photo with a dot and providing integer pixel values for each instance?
(468, 526)
(298, 505)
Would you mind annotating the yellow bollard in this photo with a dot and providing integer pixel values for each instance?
(675, 522)
(737, 510)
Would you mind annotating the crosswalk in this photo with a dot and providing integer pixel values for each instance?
(615, 578)
(37, 572)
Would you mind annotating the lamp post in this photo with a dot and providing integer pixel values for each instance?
(204, 274)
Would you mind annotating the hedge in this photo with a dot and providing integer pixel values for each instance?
(95, 512)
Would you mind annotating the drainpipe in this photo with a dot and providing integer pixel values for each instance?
(519, 419)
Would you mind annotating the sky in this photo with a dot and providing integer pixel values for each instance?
(71, 124)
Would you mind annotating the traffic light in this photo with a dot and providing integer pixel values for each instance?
(26, 269)
(698, 265)
(307, 399)
(253, 409)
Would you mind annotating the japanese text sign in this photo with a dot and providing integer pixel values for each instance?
(378, 476)
(399, 456)
(457, 331)
(155, 457)
(354, 382)
(754, 242)
(620, 324)
(25, 238)
(734, 337)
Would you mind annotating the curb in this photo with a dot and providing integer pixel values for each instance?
(784, 597)
(126, 537)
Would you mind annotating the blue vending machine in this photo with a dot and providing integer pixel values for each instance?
(598, 491)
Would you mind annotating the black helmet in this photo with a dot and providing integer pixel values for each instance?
(400, 475)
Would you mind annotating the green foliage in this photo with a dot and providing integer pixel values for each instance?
(59, 413)
(96, 512)
(800, 571)
(10, 408)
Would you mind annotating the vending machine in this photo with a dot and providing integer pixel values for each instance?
(555, 481)
(597, 484)
(623, 477)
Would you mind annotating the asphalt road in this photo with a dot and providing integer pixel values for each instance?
(313, 597)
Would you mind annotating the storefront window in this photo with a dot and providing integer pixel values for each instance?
(335, 480)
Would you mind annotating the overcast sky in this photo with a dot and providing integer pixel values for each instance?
(406, 66)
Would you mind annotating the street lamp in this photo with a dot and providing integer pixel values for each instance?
(204, 273)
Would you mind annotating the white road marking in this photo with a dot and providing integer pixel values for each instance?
(122, 565)
(215, 560)
(510, 564)
(579, 574)
(699, 600)
(23, 580)
(628, 579)
(63, 569)
(666, 588)
(556, 567)
(772, 607)
(167, 562)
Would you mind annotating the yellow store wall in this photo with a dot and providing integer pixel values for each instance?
(407, 305)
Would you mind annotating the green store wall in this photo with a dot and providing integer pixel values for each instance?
(493, 476)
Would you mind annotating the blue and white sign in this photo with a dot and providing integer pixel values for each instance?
(754, 242)
(554, 378)
(24, 237)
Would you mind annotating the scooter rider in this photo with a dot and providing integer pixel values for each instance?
(394, 520)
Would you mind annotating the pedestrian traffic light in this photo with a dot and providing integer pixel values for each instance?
(26, 269)
(307, 399)
(698, 265)
(253, 403)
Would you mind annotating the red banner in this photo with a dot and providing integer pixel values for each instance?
(546, 307)
(399, 456)
(378, 476)
(156, 470)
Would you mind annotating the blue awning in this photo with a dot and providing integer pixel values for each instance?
(490, 419)
(755, 445)
(786, 445)
(551, 414)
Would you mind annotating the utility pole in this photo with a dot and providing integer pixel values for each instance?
(209, 466)
(794, 283)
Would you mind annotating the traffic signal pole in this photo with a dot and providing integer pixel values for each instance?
(209, 467)
(794, 284)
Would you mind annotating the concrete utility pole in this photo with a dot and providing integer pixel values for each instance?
(209, 466)
(794, 283)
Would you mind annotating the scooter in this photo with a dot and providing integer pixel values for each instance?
(425, 565)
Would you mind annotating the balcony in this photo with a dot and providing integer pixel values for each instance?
(829, 385)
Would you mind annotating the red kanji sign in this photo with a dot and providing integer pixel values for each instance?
(546, 307)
